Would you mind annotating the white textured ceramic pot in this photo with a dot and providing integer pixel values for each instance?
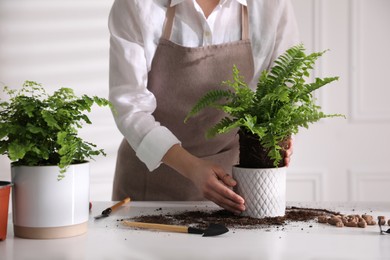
(264, 191)
(45, 207)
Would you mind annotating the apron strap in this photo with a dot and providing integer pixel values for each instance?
(244, 23)
(170, 16)
(168, 23)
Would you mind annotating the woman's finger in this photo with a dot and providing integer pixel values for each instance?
(225, 202)
(228, 180)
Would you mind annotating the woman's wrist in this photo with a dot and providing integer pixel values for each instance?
(180, 160)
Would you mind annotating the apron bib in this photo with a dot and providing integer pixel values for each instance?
(179, 76)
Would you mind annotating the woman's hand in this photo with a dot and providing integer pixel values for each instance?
(216, 185)
(289, 152)
(209, 178)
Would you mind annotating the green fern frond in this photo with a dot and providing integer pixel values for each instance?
(281, 104)
(243, 96)
(286, 65)
(208, 100)
(318, 84)
(225, 125)
(238, 81)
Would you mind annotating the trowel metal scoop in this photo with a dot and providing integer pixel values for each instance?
(211, 230)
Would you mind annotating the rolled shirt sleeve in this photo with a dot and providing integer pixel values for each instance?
(133, 102)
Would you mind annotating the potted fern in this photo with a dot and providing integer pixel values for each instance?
(49, 169)
(265, 119)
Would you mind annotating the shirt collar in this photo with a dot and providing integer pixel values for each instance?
(176, 2)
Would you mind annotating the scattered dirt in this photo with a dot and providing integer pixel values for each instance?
(202, 219)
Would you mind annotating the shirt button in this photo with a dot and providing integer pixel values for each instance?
(207, 33)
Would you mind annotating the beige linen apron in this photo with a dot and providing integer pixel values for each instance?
(179, 76)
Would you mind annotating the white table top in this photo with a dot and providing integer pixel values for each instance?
(108, 239)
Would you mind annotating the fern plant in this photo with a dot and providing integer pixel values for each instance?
(281, 103)
(41, 129)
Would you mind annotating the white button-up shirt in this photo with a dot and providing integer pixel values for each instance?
(136, 27)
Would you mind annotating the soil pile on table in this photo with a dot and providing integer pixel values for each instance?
(202, 219)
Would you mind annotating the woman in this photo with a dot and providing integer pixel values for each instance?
(164, 55)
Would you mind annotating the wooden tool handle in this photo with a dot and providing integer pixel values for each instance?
(172, 228)
(120, 203)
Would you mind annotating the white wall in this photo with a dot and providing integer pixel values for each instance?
(346, 160)
(65, 43)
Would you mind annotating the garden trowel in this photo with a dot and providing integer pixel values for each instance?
(107, 211)
(211, 230)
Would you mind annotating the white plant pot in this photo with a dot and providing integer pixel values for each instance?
(45, 207)
(264, 191)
